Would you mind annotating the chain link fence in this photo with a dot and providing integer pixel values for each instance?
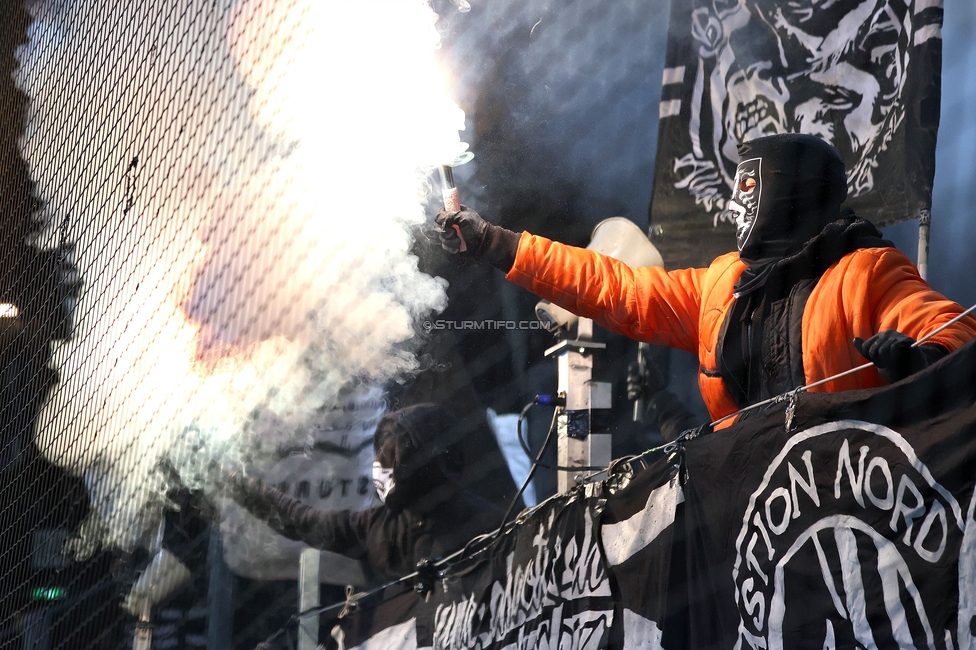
(217, 248)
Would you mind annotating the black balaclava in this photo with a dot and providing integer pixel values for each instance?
(790, 230)
(787, 188)
(412, 442)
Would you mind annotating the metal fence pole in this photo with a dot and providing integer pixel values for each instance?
(220, 613)
(924, 220)
(308, 597)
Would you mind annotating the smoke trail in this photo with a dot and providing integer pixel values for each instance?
(240, 180)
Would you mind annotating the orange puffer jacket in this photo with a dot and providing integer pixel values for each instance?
(865, 292)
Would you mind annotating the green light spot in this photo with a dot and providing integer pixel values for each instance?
(47, 593)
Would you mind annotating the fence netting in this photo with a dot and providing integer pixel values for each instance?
(218, 252)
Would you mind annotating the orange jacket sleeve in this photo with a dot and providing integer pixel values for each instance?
(646, 303)
(901, 300)
(876, 289)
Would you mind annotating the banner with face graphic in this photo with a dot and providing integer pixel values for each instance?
(864, 75)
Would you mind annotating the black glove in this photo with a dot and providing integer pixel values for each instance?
(466, 232)
(466, 224)
(893, 354)
(670, 415)
(427, 576)
(644, 385)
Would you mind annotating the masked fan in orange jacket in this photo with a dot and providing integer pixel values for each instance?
(811, 292)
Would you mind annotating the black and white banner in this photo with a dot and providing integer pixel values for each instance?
(545, 587)
(854, 528)
(864, 75)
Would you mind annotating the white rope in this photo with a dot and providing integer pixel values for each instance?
(353, 599)
(788, 395)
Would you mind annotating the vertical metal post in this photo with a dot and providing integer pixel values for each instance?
(640, 404)
(924, 221)
(308, 598)
(143, 635)
(220, 614)
(577, 445)
(142, 640)
(37, 629)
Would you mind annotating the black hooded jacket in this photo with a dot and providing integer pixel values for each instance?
(427, 515)
(793, 230)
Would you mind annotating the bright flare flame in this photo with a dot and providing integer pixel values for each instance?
(243, 240)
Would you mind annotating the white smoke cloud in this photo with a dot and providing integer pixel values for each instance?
(241, 180)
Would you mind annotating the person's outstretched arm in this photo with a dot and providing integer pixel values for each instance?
(339, 531)
(903, 308)
(645, 303)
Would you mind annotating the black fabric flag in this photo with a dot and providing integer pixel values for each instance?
(852, 529)
(546, 586)
(849, 526)
(864, 75)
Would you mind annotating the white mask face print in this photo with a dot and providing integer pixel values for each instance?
(382, 480)
(745, 198)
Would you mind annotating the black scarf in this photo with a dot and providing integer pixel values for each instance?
(837, 239)
(761, 295)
